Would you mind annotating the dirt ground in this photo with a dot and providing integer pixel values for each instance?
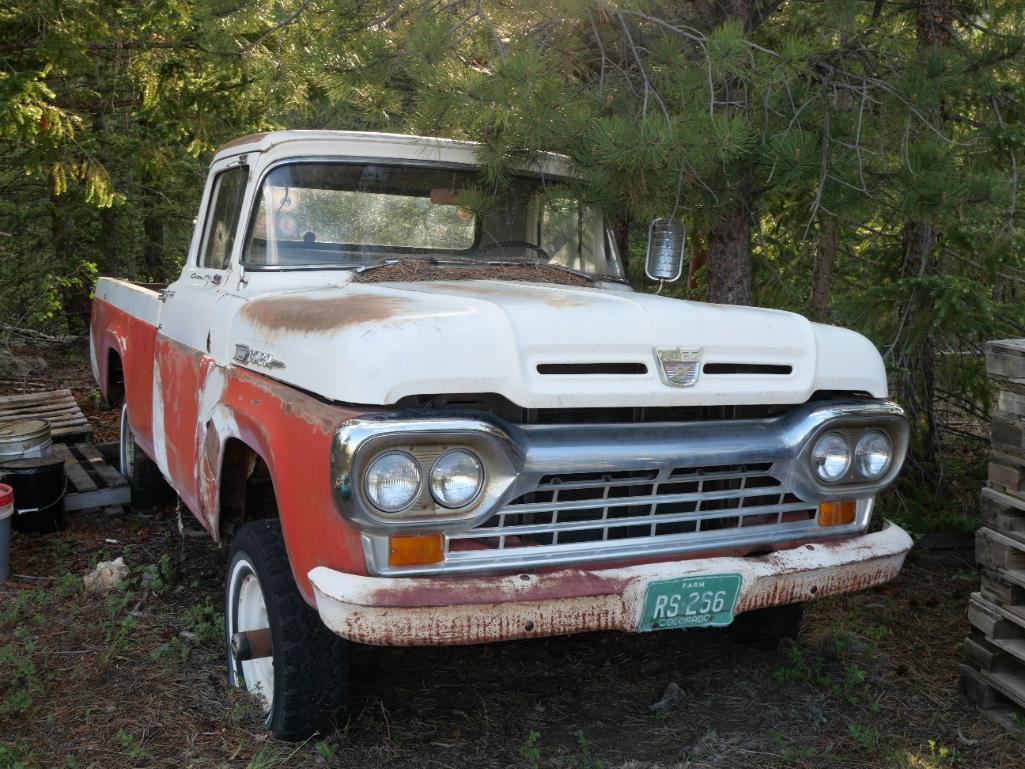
(136, 679)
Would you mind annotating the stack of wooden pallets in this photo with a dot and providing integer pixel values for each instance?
(993, 675)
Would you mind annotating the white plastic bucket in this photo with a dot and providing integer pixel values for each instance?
(6, 511)
(27, 439)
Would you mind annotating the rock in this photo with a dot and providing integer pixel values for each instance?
(671, 699)
(106, 576)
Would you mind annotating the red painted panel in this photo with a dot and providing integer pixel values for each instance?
(292, 432)
(179, 369)
(132, 339)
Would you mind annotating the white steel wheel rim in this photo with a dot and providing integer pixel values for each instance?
(249, 612)
(127, 445)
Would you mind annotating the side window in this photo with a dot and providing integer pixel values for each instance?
(222, 219)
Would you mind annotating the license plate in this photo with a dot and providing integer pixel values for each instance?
(703, 601)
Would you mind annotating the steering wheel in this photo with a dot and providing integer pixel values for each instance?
(511, 243)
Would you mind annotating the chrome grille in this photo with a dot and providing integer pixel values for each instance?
(685, 503)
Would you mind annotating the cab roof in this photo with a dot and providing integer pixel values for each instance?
(397, 146)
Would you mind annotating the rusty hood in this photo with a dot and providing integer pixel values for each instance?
(540, 346)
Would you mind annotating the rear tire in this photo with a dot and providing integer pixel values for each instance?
(147, 484)
(765, 628)
(303, 685)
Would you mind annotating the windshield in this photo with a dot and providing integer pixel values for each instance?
(352, 215)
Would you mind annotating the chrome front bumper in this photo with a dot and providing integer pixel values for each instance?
(467, 609)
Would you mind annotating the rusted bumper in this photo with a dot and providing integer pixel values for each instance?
(435, 611)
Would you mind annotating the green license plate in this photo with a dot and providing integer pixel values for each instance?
(690, 602)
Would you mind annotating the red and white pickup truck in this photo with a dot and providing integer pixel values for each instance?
(428, 409)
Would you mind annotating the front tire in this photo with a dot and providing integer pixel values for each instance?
(303, 685)
(147, 485)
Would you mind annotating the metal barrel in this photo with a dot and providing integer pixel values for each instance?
(39, 486)
(26, 439)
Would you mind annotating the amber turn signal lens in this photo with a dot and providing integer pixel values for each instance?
(415, 549)
(837, 513)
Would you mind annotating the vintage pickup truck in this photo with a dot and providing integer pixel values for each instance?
(425, 408)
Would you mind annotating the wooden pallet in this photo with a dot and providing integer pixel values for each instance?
(57, 407)
(1000, 552)
(993, 673)
(92, 482)
(990, 699)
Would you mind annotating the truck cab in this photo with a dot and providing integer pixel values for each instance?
(425, 407)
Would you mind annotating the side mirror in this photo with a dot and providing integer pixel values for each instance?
(666, 241)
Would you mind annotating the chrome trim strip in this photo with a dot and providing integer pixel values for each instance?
(462, 562)
(487, 532)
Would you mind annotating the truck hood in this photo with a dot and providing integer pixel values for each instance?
(374, 343)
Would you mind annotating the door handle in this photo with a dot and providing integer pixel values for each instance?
(215, 279)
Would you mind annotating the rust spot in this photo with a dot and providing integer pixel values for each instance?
(306, 315)
(247, 139)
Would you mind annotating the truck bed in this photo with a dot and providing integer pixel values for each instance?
(140, 300)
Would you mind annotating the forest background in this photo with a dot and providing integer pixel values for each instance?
(856, 161)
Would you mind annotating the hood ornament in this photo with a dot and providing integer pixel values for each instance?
(679, 368)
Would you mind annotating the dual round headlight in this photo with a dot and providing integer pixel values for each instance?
(832, 456)
(394, 479)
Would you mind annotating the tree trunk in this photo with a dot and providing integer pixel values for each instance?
(918, 389)
(622, 234)
(822, 272)
(74, 297)
(698, 258)
(153, 247)
(730, 271)
(730, 274)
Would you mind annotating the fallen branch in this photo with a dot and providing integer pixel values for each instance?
(37, 336)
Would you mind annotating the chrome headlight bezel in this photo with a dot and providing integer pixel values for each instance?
(360, 442)
(853, 429)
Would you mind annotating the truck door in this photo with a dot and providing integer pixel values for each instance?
(192, 338)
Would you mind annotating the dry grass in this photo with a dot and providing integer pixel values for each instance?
(136, 680)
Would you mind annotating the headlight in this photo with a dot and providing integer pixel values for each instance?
(456, 478)
(392, 481)
(831, 457)
(872, 455)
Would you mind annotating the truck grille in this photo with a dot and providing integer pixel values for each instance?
(682, 503)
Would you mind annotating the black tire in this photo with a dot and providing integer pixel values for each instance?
(765, 628)
(145, 481)
(310, 664)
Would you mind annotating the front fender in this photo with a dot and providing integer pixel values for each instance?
(292, 433)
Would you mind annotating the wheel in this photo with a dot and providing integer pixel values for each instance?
(303, 684)
(145, 481)
(765, 628)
